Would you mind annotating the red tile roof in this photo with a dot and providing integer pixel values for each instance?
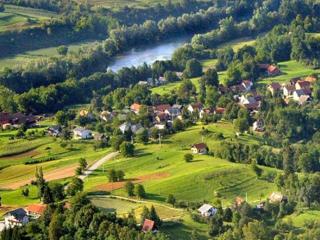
(148, 225)
(135, 107)
(36, 208)
(162, 107)
(200, 146)
(273, 69)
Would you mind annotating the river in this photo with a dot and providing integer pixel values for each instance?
(148, 54)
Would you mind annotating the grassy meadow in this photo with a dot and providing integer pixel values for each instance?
(290, 69)
(28, 56)
(163, 171)
(16, 17)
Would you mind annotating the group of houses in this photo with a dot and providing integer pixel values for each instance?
(16, 120)
(297, 90)
(158, 81)
(21, 216)
(207, 210)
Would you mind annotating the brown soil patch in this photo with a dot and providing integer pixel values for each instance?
(141, 179)
(31, 153)
(48, 176)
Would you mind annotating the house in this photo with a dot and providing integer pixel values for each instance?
(161, 117)
(302, 85)
(199, 148)
(162, 107)
(299, 93)
(16, 119)
(174, 111)
(162, 80)
(135, 108)
(258, 126)
(124, 127)
(160, 126)
(247, 84)
(219, 110)
(54, 131)
(35, 211)
(206, 112)
(179, 74)
(273, 70)
(100, 137)
(274, 88)
(86, 113)
(149, 226)
(196, 107)
(288, 90)
(143, 83)
(206, 210)
(303, 99)
(82, 133)
(311, 79)
(16, 217)
(238, 201)
(107, 116)
(277, 197)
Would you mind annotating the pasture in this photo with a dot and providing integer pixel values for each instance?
(163, 171)
(26, 57)
(17, 18)
(290, 69)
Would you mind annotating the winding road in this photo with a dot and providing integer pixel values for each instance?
(98, 164)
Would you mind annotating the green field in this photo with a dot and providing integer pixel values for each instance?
(196, 181)
(14, 17)
(54, 156)
(290, 69)
(301, 218)
(28, 56)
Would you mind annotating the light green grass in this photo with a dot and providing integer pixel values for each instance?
(23, 58)
(305, 216)
(187, 180)
(290, 69)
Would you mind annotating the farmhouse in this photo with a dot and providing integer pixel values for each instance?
(288, 90)
(149, 226)
(277, 197)
(258, 126)
(135, 108)
(82, 133)
(35, 211)
(274, 88)
(200, 148)
(247, 84)
(207, 210)
(16, 217)
(197, 107)
(302, 85)
(273, 70)
(162, 107)
(16, 119)
(54, 131)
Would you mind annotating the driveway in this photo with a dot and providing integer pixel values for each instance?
(98, 164)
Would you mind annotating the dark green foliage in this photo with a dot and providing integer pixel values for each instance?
(188, 157)
(139, 191)
(127, 149)
(129, 186)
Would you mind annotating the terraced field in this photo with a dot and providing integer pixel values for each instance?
(14, 17)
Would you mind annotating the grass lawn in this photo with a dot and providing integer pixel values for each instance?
(305, 216)
(290, 69)
(16, 17)
(28, 56)
(164, 171)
